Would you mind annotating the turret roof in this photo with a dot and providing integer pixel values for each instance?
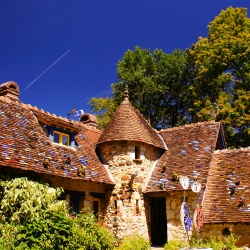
(129, 124)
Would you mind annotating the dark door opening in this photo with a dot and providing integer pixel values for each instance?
(158, 221)
(96, 208)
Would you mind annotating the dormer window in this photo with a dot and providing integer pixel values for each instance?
(58, 135)
(61, 138)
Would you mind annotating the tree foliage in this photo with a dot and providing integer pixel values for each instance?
(209, 81)
(157, 85)
(104, 109)
(221, 75)
(22, 200)
(32, 217)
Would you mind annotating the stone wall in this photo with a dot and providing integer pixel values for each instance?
(175, 230)
(126, 210)
(174, 201)
(126, 213)
(241, 230)
(111, 149)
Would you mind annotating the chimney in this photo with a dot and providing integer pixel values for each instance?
(89, 119)
(9, 89)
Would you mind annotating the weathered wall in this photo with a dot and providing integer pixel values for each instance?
(175, 230)
(241, 230)
(126, 210)
(77, 185)
(174, 201)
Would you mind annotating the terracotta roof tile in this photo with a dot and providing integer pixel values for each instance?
(52, 119)
(128, 124)
(24, 145)
(228, 182)
(190, 150)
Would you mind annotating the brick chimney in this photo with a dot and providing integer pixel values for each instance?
(89, 119)
(9, 89)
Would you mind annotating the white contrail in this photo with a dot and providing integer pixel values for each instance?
(46, 70)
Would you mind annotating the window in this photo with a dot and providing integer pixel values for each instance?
(137, 152)
(96, 207)
(137, 207)
(61, 138)
(115, 203)
(74, 204)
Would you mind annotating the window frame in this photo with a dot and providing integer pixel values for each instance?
(61, 134)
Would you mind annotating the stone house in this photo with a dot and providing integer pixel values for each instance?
(128, 173)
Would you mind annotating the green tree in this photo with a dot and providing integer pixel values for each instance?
(32, 217)
(104, 109)
(209, 81)
(221, 75)
(22, 199)
(158, 85)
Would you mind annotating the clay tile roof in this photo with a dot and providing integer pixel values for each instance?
(129, 124)
(24, 145)
(190, 150)
(53, 120)
(228, 183)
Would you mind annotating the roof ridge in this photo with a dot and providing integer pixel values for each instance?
(187, 125)
(230, 150)
(47, 113)
(35, 109)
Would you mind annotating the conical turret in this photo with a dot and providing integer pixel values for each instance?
(128, 124)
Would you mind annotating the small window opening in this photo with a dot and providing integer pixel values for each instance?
(226, 231)
(137, 152)
(137, 209)
(74, 204)
(115, 203)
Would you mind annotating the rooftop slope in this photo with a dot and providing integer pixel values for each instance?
(91, 133)
(190, 150)
(228, 183)
(129, 124)
(24, 145)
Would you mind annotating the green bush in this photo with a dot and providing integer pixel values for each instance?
(174, 244)
(88, 233)
(22, 199)
(31, 217)
(225, 242)
(134, 243)
(219, 243)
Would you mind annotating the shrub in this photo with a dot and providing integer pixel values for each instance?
(134, 243)
(22, 199)
(174, 244)
(31, 217)
(87, 234)
(225, 242)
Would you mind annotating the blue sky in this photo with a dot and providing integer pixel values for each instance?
(62, 53)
